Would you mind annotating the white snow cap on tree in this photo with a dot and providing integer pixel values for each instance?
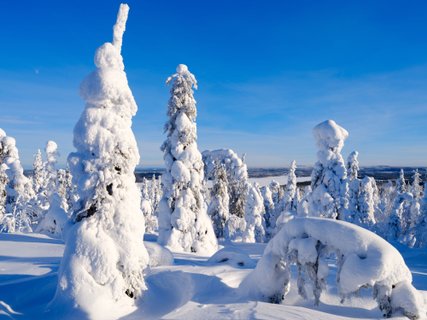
(104, 256)
(184, 224)
(328, 179)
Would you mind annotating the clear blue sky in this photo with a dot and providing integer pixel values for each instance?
(268, 72)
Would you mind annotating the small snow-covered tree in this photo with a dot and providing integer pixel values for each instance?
(238, 184)
(53, 219)
(104, 257)
(184, 224)
(268, 208)
(421, 227)
(400, 182)
(289, 202)
(353, 165)
(218, 208)
(19, 215)
(303, 204)
(329, 177)
(399, 218)
(147, 205)
(368, 200)
(416, 187)
(38, 178)
(66, 188)
(3, 194)
(254, 212)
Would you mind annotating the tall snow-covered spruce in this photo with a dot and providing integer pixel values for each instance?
(184, 224)
(102, 269)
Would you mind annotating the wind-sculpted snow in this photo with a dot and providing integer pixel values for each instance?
(363, 260)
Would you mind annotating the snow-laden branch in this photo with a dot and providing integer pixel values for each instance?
(363, 260)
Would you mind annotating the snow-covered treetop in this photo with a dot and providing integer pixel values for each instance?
(51, 151)
(120, 26)
(182, 71)
(235, 167)
(353, 165)
(330, 135)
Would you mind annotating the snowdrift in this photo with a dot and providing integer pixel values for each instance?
(364, 260)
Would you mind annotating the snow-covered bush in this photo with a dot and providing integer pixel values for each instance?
(19, 215)
(363, 260)
(232, 256)
(329, 177)
(159, 255)
(104, 257)
(184, 224)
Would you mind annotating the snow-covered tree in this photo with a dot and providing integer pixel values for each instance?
(155, 193)
(364, 261)
(218, 208)
(400, 182)
(399, 218)
(367, 203)
(238, 185)
(38, 173)
(303, 204)
(147, 205)
(268, 208)
(3, 194)
(329, 176)
(19, 214)
(104, 257)
(184, 224)
(421, 227)
(416, 187)
(254, 212)
(54, 217)
(353, 165)
(289, 197)
(66, 189)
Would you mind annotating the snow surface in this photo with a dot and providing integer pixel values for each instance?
(191, 288)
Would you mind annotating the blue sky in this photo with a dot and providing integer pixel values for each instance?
(268, 72)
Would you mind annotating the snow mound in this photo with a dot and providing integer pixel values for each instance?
(233, 257)
(363, 260)
(159, 256)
